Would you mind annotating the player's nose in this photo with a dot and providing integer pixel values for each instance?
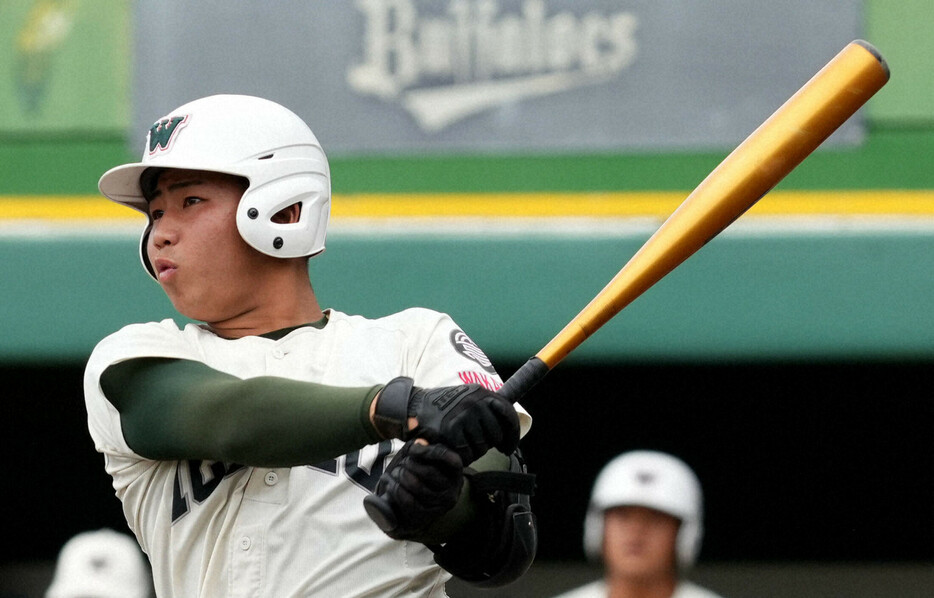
(164, 232)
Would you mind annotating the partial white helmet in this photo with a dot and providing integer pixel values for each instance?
(250, 137)
(101, 563)
(648, 479)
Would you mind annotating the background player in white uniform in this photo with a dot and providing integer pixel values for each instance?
(645, 523)
(243, 448)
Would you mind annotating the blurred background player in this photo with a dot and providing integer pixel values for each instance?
(644, 523)
(100, 564)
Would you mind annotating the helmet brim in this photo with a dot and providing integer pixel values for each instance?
(121, 184)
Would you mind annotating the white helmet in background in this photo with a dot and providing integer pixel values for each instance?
(101, 563)
(648, 479)
(250, 137)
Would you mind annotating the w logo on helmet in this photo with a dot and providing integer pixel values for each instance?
(163, 131)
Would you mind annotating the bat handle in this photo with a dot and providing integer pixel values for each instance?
(530, 374)
(381, 512)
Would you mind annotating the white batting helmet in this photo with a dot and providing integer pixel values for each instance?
(101, 563)
(648, 479)
(245, 136)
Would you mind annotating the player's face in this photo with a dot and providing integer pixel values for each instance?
(206, 269)
(639, 544)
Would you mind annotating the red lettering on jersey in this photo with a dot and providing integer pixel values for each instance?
(482, 379)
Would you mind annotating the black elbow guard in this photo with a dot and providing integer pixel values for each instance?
(502, 548)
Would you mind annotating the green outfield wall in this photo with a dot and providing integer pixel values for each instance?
(743, 297)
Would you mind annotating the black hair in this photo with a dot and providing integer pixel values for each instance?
(149, 180)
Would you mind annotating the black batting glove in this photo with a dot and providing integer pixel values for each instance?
(422, 483)
(469, 418)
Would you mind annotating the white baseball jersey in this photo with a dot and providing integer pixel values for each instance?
(598, 589)
(224, 529)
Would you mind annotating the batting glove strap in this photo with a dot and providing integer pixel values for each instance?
(392, 408)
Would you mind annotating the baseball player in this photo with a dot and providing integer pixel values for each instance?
(274, 448)
(644, 522)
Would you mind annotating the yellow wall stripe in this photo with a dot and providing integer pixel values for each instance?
(505, 205)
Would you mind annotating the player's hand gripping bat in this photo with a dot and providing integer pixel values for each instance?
(763, 159)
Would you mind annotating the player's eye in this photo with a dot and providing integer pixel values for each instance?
(191, 200)
(156, 214)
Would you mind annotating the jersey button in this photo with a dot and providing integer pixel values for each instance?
(278, 353)
(245, 543)
(271, 478)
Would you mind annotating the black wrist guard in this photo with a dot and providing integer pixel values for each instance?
(501, 548)
(391, 415)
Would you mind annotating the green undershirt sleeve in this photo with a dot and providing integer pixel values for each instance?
(181, 409)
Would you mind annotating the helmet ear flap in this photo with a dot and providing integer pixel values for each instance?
(593, 534)
(260, 205)
(143, 255)
(689, 542)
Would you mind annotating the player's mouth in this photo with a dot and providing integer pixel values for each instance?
(164, 268)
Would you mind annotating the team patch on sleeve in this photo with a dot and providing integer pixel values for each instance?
(470, 350)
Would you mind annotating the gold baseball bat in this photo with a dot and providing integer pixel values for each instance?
(750, 171)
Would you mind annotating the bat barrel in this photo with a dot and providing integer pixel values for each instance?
(750, 171)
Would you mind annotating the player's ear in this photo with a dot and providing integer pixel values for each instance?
(289, 215)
